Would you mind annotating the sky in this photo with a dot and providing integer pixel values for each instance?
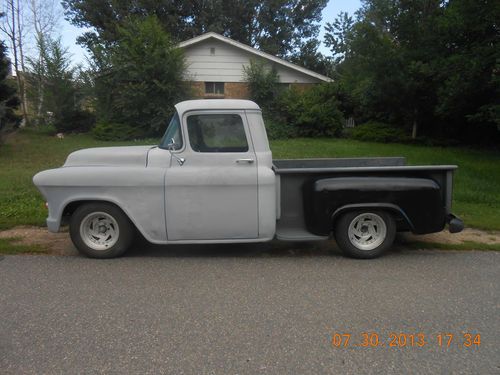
(331, 11)
(69, 33)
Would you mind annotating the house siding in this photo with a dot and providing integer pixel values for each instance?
(226, 64)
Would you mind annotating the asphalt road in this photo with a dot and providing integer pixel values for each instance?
(240, 310)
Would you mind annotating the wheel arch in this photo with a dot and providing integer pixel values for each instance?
(388, 207)
(72, 205)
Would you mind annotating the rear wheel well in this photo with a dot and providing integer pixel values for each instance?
(402, 221)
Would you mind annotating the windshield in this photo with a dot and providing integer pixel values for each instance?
(173, 132)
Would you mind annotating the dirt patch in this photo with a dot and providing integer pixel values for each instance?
(60, 243)
(467, 235)
(55, 243)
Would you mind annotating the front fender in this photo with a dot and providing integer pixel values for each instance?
(139, 192)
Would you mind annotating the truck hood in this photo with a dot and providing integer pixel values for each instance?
(106, 156)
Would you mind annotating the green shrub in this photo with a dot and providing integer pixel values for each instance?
(279, 129)
(263, 83)
(116, 132)
(378, 132)
(75, 121)
(313, 112)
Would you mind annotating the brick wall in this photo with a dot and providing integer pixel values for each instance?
(302, 86)
(235, 90)
(232, 90)
(197, 89)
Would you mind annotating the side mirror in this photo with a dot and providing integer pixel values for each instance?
(172, 146)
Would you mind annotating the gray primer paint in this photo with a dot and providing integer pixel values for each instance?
(165, 200)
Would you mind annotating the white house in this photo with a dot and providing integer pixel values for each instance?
(215, 67)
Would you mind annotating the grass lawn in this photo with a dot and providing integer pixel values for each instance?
(12, 246)
(476, 194)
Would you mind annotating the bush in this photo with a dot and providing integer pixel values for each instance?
(75, 121)
(378, 132)
(116, 132)
(279, 129)
(314, 112)
(263, 83)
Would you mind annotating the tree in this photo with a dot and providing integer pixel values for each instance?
(139, 78)
(278, 27)
(43, 20)
(425, 65)
(263, 83)
(310, 58)
(62, 104)
(12, 27)
(337, 36)
(8, 99)
(467, 68)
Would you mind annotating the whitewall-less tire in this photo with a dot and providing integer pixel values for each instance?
(101, 230)
(365, 234)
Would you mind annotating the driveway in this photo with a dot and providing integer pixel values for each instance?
(244, 310)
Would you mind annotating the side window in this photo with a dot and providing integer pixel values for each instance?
(217, 133)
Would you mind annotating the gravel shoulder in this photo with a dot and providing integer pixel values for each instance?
(60, 243)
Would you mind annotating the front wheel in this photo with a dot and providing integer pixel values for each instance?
(101, 230)
(365, 234)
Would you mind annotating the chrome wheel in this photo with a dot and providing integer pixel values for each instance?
(99, 230)
(367, 231)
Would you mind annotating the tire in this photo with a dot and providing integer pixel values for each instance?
(101, 230)
(365, 234)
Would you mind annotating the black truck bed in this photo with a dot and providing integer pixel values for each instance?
(293, 173)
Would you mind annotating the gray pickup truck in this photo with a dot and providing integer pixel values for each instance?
(212, 179)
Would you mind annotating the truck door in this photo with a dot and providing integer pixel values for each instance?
(212, 194)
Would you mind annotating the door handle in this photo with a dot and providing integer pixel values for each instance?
(249, 161)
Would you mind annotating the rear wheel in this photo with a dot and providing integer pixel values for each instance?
(365, 234)
(101, 230)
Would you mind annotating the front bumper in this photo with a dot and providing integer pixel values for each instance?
(53, 225)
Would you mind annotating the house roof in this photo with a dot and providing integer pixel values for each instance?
(254, 51)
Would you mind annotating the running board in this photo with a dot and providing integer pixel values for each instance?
(298, 234)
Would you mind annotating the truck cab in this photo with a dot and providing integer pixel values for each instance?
(219, 182)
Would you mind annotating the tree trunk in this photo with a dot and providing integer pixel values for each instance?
(41, 76)
(415, 126)
(22, 89)
(414, 129)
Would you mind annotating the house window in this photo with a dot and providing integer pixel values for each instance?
(214, 88)
(212, 51)
(285, 86)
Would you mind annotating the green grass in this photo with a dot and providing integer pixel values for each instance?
(10, 246)
(21, 157)
(476, 194)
